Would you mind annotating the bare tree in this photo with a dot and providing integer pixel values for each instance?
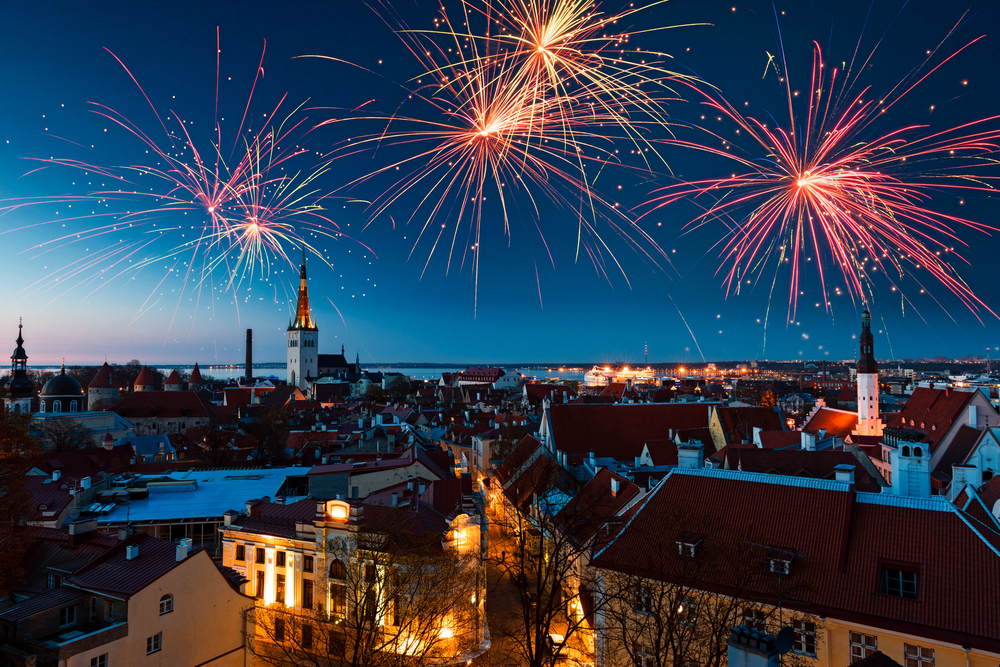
(64, 435)
(19, 452)
(399, 595)
(678, 600)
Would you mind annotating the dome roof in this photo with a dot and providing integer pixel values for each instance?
(62, 385)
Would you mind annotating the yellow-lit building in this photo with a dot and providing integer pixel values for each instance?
(312, 565)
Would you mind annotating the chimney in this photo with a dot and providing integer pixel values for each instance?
(614, 487)
(845, 473)
(638, 461)
(689, 455)
(756, 437)
(395, 499)
(423, 487)
(808, 442)
(972, 416)
(249, 367)
(131, 552)
(751, 648)
(249, 507)
(228, 517)
(85, 483)
(279, 500)
(56, 474)
(183, 547)
(911, 475)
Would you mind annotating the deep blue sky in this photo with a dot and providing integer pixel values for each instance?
(53, 62)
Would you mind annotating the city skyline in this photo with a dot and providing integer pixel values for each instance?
(383, 305)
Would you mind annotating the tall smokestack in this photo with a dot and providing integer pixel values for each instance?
(249, 368)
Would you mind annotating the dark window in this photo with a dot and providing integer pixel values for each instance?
(166, 604)
(260, 583)
(260, 555)
(862, 646)
(279, 559)
(918, 656)
(279, 629)
(754, 619)
(307, 563)
(307, 637)
(279, 588)
(99, 661)
(154, 643)
(643, 656)
(901, 583)
(687, 611)
(643, 600)
(67, 616)
(337, 643)
(307, 594)
(241, 552)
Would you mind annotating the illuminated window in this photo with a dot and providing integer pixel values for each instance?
(338, 589)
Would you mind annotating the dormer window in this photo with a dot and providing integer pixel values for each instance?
(899, 582)
(687, 544)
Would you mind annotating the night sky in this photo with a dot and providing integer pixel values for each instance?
(53, 64)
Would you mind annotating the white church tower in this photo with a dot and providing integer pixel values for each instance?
(303, 338)
(868, 418)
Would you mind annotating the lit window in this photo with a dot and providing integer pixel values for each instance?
(862, 646)
(900, 583)
(154, 643)
(805, 638)
(918, 656)
(687, 611)
(279, 593)
(166, 604)
(67, 616)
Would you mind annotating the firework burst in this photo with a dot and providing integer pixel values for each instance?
(836, 191)
(244, 208)
(527, 110)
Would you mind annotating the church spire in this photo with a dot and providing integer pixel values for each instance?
(866, 362)
(303, 318)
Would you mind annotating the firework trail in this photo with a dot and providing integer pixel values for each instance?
(527, 111)
(834, 189)
(247, 206)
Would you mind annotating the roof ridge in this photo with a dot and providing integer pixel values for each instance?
(646, 499)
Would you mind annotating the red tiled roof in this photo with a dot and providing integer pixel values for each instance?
(145, 378)
(738, 423)
(51, 548)
(115, 574)
(164, 404)
(844, 538)
(845, 395)
(776, 439)
(537, 479)
(620, 431)
(517, 458)
(990, 492)
(173, 379)
(965, 440)
(540, 390)
(838, 423)
(589, 509)
(195, 375)
(619, 390)
(798, 463)
(103, 380)
(267, 518)
(929, 407)
(58, 597)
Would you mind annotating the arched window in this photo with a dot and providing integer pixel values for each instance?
(17, 407)
(166, 604)
(56, 406)
(917, 451)
(338, 589)
(73, 407)
(906, 450)
(41, 406)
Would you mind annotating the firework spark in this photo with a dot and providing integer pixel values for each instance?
(247, 208)
(838, 192)
(527, 111)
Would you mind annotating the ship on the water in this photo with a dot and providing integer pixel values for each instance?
(602, 375)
